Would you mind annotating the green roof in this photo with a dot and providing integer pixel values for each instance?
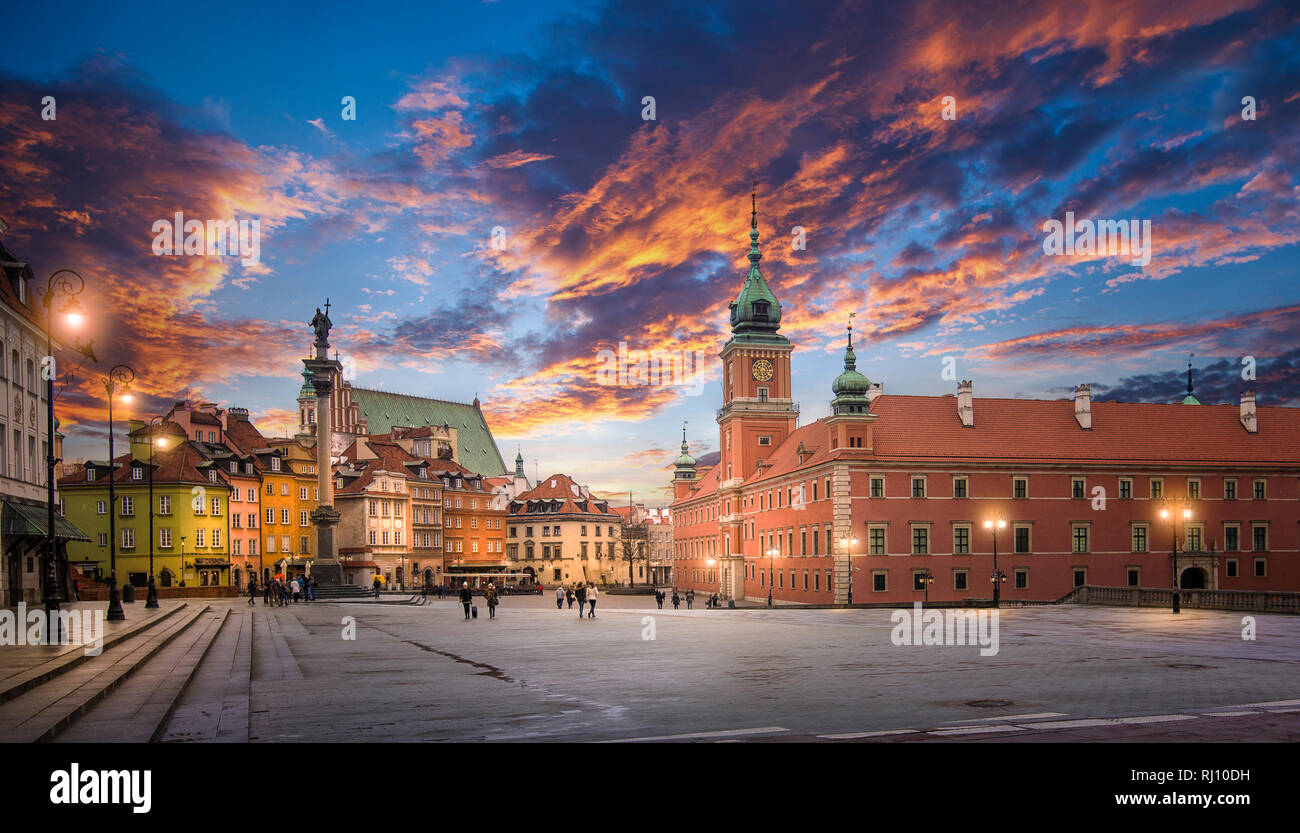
(21, 519)
(478, 451)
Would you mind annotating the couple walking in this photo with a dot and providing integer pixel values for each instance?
(490, 596)
(585, 594)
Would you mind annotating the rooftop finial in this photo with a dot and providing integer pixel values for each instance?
(1189, 373)
(684, 435)
(852, 315)
(753, 206)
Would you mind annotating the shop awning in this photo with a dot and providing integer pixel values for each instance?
(21, 519)
(201, 561)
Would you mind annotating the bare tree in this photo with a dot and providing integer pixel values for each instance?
(635, 547)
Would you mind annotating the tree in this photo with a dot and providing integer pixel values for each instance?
(635, 547)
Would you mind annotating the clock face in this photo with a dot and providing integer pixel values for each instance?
(762, 370)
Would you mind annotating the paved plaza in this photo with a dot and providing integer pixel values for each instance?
(422, 673)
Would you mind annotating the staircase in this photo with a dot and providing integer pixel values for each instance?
(342, 591)
(145, 667)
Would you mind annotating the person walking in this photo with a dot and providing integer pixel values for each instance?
(582, 598)
(252, 591)
(559, 597)
(466, 598)
(266, 593)
(376, 583)
(311, 589)
(491, 597)
(690, 599)
(295, 589)
(569, 595)
(677, 600)
(591, 601)
(659, 599)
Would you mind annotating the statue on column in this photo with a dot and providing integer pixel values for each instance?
(321, 323)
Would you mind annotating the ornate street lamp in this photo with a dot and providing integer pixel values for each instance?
(771, 554)
(69, 284)
(998, 578)
(121, 375)
(848, 544)
(161, 442)
(1170, 513)
(927, 578)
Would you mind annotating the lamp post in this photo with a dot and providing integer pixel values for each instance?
(711, 562)
(771, 554)
(120, 375)
(1171, 514)
(152, 600)
(848, 544)
(927, 578)
(58, 284)
(998, 576)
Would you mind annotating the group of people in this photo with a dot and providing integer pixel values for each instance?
(584, 594)
(490, 595)
(689, 598)
(279, 592)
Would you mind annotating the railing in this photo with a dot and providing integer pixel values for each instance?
(1259, 601)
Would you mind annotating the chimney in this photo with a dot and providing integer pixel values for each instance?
(876, 389)
(1248, 412)
(966, 403)
(1083, 406)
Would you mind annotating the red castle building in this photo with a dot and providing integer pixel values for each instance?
(910, 491)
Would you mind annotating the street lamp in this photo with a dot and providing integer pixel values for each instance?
(120, 375)
(848, 544)
(1172, 516)
(161, 442)
(771, 554)
(927, 578)
(58, 284)
(998, 576)
(711, 562)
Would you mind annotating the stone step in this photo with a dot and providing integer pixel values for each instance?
(41, 713)
(214, 707)
(65, 657)
(140, 707)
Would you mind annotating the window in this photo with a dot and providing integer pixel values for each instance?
(1140, 542)
(128, 538)
(216, 538)
(275, 466)
(270, 488)
(236, 520)
(1194, 539)
(374, 508)
(1133, 576)
(212, 475)
(302, 493)
(216, 506)
(270, 543)
(1260, 534)
(128, 505)
(101, 507)
(1080, 539)
(1261, 568)
(302, 518)
(920, 540)
(1231, 567)
(918, 580)
(959, 487)
(876, 540)
(1259, 490)
(1020, 487)
(284, 489)
(1194, 488)
(1157, 488)
(103, 540)
(1231, 538)
(137, 473)
(1077, 487)
(1022, 579)
(1229, 490)
(1022, 539)
(284, 516)
(1080, 576)
(918, 487)
(879, 581)
(961, 540)
(1125, 488)
(252, 521)
(960, 579)
(284, 544)
(165, 538)
(199, 538)
(270, 515)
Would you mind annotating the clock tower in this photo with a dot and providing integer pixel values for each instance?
(757, 413)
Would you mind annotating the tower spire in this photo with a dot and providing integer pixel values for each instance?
(753, 206)
(1189, 373)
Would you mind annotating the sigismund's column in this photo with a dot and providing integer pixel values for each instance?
(325, 566)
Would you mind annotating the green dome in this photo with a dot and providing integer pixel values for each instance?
(851, 382)
(308, 390)
(755, 310)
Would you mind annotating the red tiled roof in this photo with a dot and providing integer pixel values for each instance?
(567, 492)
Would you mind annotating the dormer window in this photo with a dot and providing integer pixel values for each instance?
(275, 464)
(90, 474)
(760, 310)
(137, 473)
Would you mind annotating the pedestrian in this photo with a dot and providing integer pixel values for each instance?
(569, 595)
(491, 597)
(690, 599)
(659, 599)
(252, 591)
(76, 590)
(376, 583)
(295, 590)
(466, 598)
(591, 601)
(582, 598)
(266, 593)
(677, 600)
(559, 597)
(311, 588)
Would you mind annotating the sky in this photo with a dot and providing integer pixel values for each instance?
(504, 210)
